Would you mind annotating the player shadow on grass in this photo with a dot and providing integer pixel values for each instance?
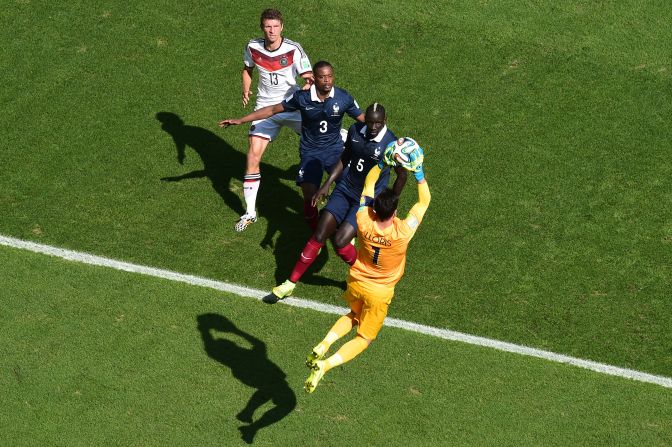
(280, 204)
(221, 162)
(252, 367)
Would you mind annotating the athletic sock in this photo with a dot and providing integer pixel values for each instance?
(250, 189)
(308, 255)
(348, 351)
(342, 327)
(310, 214)
(348, 253)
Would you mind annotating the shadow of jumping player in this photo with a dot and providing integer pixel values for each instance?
(279, 203)
(221, 162)
(252, 367)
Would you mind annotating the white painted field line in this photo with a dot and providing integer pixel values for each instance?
(446, 334)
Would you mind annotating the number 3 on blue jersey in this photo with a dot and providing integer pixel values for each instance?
(323, 126)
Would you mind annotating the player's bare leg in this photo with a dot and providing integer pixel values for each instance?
(325, 227)
(252, 181)
(342, 241)
(309, 211)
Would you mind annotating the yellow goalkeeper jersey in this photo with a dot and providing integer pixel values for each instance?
(381, 257)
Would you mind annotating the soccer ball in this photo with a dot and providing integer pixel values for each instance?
(405, 152)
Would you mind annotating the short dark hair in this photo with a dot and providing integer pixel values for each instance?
(375, 108)
(270, 14)
(385, 204)
(322, 64)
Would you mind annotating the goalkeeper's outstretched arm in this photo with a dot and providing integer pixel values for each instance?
(369, 188)
(418, 210)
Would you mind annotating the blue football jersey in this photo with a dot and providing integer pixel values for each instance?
(321, 120)
(364, 153)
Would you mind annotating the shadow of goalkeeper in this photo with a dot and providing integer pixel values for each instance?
(252, 367)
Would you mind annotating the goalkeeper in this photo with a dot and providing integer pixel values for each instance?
(382, 240)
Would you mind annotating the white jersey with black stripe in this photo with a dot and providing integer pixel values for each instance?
(278, 69)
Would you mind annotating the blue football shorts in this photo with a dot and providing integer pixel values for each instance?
(343, 207)
(312, 168)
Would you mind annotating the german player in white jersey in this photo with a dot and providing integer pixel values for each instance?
(279, 62)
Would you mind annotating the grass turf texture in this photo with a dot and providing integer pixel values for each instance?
(545, 128)
(96, 356)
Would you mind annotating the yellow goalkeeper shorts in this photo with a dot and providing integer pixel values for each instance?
(369, 303)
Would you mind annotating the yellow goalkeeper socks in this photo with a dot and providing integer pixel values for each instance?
(348, 351)
(342, 326)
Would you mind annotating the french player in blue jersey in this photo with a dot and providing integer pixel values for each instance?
(322, 109)
(364, 148)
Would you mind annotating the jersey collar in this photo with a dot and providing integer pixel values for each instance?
(282, 40)
(380, 135)
(313, 93)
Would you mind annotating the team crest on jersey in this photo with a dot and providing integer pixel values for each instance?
(283, 61)
(335, 108)
(301, 173)
(376, 153)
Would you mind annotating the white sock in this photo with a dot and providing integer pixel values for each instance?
(250, 189)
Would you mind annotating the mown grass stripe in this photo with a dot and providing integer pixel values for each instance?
(87, 258)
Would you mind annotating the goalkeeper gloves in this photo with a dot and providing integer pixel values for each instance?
(415, 159)
(419, 173)
(388, 157)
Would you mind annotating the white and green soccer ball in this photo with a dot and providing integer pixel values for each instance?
(405, 152)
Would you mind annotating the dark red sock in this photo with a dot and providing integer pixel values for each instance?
(347, 253)
(310, 214)
(307, 257)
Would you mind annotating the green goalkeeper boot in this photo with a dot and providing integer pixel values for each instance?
(315, 376)
(318, 353)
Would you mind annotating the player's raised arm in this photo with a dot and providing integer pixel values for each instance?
(400, 181)
(260, 114)
(369, 188)
(418, 210)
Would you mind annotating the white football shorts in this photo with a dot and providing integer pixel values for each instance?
(269, 128)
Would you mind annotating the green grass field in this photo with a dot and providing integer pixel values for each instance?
(102, 357)
(546, 130)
